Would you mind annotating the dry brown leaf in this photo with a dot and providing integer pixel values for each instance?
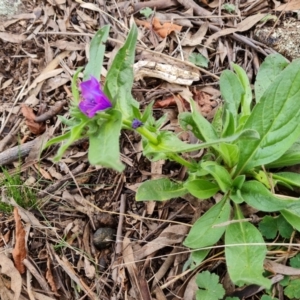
(19, 251)
(7, 268)
(245, 25)
(277, 268)
(50, 278)
(6, 83)
(34, 127)
(169, 101)
(65, 45)
(170, 236)
(43, 172)
(163, 30)
(138, 282)
(48, 72)
(291, 5)
(12, 38)
(89, 269)
(65, 264)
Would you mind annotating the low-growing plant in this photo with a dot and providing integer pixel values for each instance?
(246, 145)
(15, 188)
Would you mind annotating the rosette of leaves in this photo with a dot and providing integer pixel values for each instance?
(247, 143)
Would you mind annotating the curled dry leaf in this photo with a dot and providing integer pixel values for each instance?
(53, 111)
(19, 251)
(163, 30)
(34, 127)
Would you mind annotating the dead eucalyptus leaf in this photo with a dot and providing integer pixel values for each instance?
(7, 268)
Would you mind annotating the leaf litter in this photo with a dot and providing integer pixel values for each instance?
(40, 49)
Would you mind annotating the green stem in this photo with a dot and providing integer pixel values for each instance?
(180, 160)
(151, 137)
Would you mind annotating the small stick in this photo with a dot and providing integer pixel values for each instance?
(14, 153)
(120, 225)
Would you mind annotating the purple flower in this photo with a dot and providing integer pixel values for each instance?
(93, 98)
(136, 123)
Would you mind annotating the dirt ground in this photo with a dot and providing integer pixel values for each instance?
(68, 207)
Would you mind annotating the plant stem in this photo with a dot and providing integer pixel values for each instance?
(151, 137)
(180, 160)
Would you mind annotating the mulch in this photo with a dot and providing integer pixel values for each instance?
(41, 46)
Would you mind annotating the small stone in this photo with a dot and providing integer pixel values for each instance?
(103, 237)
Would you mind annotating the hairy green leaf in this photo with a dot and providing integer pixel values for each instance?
(268, 71)
(245, 260)
(219, 173)
(276, 119)
(247, 96)
(232, 91)
(119, 79)
(204, 232)
(201, 189)
(97, 50)
(258, 196)
(104, 146)
(160, 190)
(290, 158)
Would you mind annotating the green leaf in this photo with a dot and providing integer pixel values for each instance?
(232, 298)
(268, 227)
(170, 143)
(245, 261)
(295, 261)
(292, 216)
(284, 228)
(267, 297)
(247, 96)
(104, 147)
(147, 12)
(203, 126)
(160, 190)
(74, 135)
(238, 182)
(119, 79)
(195, 259)
(75, 91)
(232, 91)
(290, 158)
(209, 285)
(219, 173)
(57, 140)
(268, 71)
(288, 177)
(204, 232)
(230, 154)
(292, 291)
(97, 50)
(258, 196)
(199, 60)
(217, 122)
(230, 8)
(276, 119)
(201, 189)
(229, 124)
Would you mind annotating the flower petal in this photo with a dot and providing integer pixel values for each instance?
(94, 99)
(136, 123)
